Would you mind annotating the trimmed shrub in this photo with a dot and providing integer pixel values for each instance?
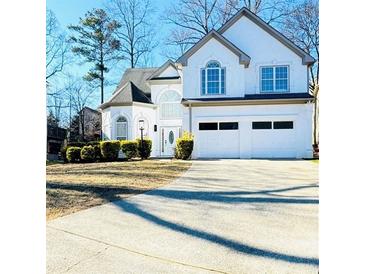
(67, 145)
(129, 148)
(96, 146)
(88, 154)
(76, 144)
(109, 150)
(73, 154)
(144, 148)
(184, 146)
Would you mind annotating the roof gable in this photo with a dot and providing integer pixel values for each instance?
(167, 71)
(139, 78)
(127, 94)
(243, 57)
(306, 58)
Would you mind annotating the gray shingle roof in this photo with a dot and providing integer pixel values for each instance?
(139, 78)
(127, 94)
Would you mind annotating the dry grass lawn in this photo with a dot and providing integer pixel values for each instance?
(73, 187)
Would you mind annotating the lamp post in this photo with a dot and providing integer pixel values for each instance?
(141, 128)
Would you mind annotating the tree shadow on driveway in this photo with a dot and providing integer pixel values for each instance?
(233, 196)
(222, 197)
(131, 208)
(128, 206)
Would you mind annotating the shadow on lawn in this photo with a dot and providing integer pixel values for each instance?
(111, 194)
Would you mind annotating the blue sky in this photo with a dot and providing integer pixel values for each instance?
(69, 11)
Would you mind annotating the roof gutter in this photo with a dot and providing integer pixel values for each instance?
(196, 103)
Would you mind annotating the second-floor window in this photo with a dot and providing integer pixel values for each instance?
(274, 79)
(213, 78)
(170, 105)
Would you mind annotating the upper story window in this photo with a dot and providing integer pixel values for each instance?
(213, 79)
(170, 105)
(121, 128)
(274, 79)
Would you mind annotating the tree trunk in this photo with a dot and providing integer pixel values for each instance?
(102, 73)
(82, 126)
(102, 85)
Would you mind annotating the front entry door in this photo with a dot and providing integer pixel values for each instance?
(168, 138)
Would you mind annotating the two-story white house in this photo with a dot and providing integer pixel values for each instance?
(241, 90)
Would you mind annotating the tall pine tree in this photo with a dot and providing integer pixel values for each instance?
(94, 40)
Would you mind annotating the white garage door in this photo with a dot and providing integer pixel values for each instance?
(273, 139)
(219, 140)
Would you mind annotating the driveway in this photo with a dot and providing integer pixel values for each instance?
(222, 216)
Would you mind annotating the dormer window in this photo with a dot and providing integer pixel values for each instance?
(213, 78)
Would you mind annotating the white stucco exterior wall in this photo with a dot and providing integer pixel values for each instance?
(214, 50)
(264, 50)
(299, 113)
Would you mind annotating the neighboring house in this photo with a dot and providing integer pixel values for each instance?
(86, 126)
(55, 138)
(90, 124)
(241, 90)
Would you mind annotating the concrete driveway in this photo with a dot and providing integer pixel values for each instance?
(223, 216)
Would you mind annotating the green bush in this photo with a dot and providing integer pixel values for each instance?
(76, 144)
(109, 150)
(96, 146)
(144, 149)
(73, 154)
(68, 145)
(88, 154)
(184, 146)
(129, 148)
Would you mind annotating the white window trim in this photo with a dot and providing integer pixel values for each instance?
(116, 128)
(171, 102)
(206, 80)
(274, 79)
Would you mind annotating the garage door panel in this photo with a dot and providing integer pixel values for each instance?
(219, 144)
(273, 143)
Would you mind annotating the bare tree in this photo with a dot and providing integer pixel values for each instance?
(302, 27)
(56, 46)
(192, 19)
(136, 31)
(271, 11)
(79, 96)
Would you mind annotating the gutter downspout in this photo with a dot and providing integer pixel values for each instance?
(308, 79)
(190, 118)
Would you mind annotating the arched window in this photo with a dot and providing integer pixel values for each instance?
(170, 105)
(121, 128)
(213, 79)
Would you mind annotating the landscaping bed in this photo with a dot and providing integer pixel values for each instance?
(73, 187)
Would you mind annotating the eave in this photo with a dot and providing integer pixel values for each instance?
(244, 59)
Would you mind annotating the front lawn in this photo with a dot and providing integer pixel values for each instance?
(73, 187)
